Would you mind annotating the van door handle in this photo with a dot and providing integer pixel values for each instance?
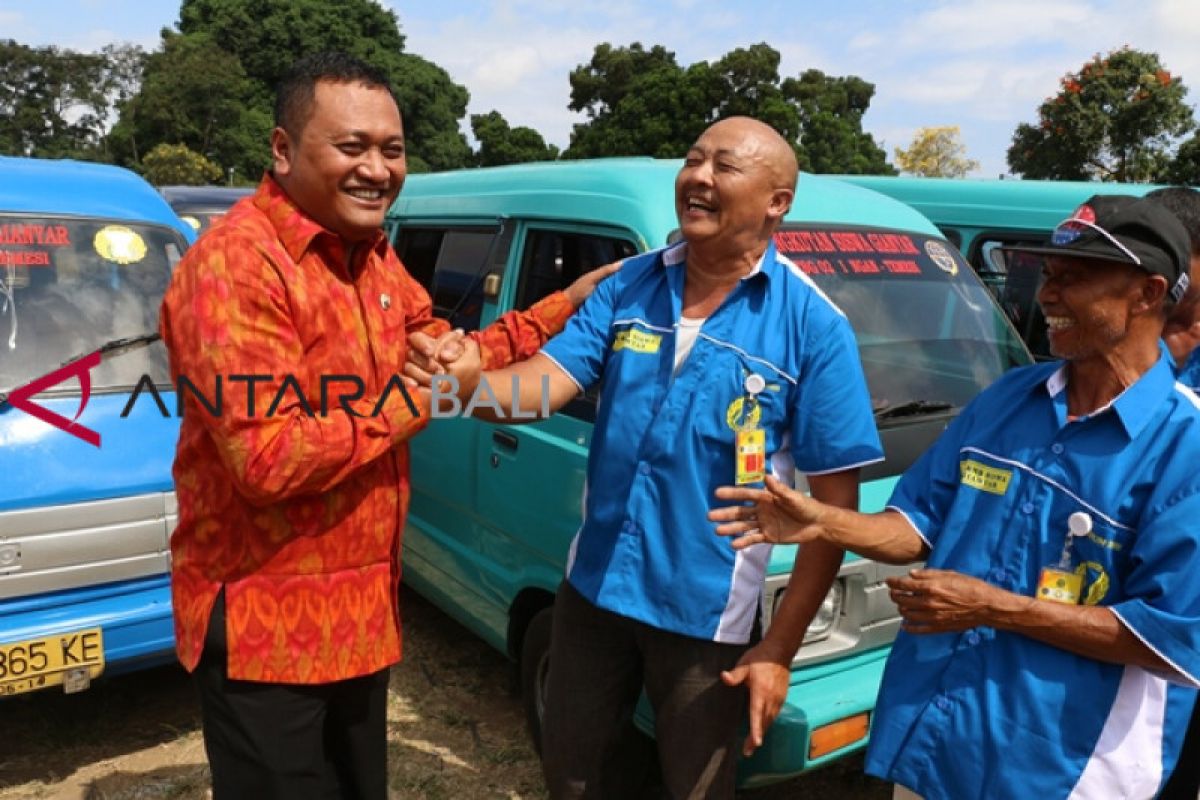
(505, 440)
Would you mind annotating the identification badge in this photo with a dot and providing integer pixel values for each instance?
(1060, 585)
(751, 455)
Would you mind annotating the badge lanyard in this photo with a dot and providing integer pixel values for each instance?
(751, 440)
(1058, 582)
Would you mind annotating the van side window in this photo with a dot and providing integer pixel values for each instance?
(451, 264)
(554, 259)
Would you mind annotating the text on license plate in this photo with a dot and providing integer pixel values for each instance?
(38, 663)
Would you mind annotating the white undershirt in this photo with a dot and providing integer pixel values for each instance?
(685, 337)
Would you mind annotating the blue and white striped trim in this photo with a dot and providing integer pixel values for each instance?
(639, 321)
(749, 357)
(1030, 470)
(799, 273)
(565, 371)
(1190, 679)
(911, 524)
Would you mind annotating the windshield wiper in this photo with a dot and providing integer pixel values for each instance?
(110, 349)
(116, 347)
(913, 408)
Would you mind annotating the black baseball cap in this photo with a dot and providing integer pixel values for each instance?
(1126, 230)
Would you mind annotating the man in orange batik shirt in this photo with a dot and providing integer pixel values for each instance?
(293, 489)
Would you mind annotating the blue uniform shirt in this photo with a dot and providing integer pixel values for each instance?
(993, 714)
(662, 445)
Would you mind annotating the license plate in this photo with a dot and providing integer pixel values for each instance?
(74, 657)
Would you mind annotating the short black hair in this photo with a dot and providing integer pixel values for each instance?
(1184, 203)
(297, 87)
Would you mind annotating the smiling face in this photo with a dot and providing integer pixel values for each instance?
(346, 165)
(735, 185)
(1089, 305)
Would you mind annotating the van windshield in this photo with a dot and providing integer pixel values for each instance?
(930, 335)
(68, 285)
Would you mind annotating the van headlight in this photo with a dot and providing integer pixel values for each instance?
(825, 620)
(827, 614)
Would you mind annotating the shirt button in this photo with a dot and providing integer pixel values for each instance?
(973, 638)
(1027, 508)
(998, 575)
(943, 703)
(643, 468)
(1056, 448)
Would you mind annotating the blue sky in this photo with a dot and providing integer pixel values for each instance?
(983, 65)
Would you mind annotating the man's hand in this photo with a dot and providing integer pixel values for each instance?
(941, 601)
(452, 354)
(778, 514)
(585, 284)
(765, 670)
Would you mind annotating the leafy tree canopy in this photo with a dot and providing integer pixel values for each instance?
(936, 152)
(501, 144)
(1114, 120)
(212, 85)
(53, 102)
(642, 102)
(176, 165)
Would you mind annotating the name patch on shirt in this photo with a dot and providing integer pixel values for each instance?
(637, 341)
(985, 478)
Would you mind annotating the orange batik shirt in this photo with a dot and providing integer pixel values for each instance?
(298, 511)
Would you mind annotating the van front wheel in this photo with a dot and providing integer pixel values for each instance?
(535, 667)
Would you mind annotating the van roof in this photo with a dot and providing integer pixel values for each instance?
(994, 203)
(80, 188)
(637, 193)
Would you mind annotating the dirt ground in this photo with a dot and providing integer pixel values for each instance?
(455, 731)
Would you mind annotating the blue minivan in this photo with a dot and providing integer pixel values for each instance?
(87, 502)
(495, 506)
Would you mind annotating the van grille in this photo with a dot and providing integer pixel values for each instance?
(85, 544)
(867, 620)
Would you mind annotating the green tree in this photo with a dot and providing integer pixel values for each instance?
(52, 101)
(266, 36)
(1185, 167)
(501, 144)
(176, 165)
(936, 152)
(831, 112)
(195, 93)
(642, 102)
(1113, 120)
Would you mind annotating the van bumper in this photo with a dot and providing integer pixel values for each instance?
(818, 696)
(135, 616)
(813, 701)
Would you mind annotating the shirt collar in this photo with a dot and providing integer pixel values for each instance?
(297, 230)
(1138, 403)
(676, 254)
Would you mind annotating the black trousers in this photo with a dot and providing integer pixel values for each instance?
(1184, 783)
(291, 742)
(599, 663)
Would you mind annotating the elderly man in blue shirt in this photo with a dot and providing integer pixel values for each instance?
(717, 357)
(1051, 646)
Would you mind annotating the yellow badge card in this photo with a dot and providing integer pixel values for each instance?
(637, 341)
(1059, 586)
(751, 455)
(984, 477)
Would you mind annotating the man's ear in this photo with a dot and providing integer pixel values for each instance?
(1151, 294)
(283, 152)
(781, 203)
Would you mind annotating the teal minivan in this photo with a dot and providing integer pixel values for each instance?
(494, 506)
(979, 216)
